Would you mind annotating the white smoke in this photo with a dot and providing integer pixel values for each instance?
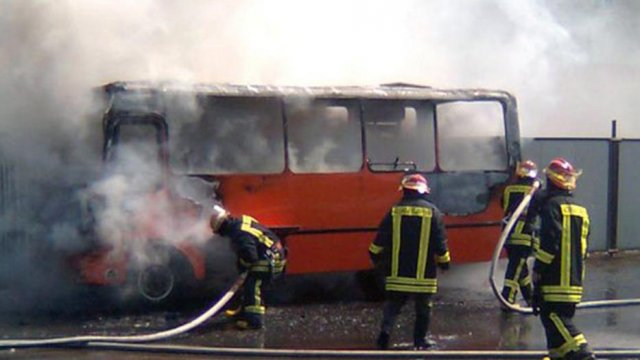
(572, 60)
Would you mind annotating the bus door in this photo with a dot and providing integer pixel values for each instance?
(473, 165)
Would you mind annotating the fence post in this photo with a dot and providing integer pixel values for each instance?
(612, 193)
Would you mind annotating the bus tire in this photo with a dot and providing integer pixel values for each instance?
(164, 282)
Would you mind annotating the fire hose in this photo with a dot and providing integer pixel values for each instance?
(496, 255)
(80, 340)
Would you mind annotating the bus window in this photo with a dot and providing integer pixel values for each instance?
(136, 101)
(399, 135)
(137, 156)
(471, 136)
(230, 135)
(324, 136)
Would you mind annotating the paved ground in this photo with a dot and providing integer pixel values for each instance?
(466, 317)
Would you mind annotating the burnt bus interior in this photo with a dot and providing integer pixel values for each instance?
(466, 142)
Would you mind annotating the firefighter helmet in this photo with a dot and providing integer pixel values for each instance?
(527, 168)
(562, 174)
(415, 182)
(218, 216)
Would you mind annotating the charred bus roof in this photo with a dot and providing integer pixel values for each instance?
(385, 91)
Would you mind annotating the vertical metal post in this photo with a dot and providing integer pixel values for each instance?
(612, 193)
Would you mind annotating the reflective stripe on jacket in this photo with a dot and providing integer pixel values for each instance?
(522, 232)
(257, 247)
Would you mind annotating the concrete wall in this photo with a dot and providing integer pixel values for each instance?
(592, 155)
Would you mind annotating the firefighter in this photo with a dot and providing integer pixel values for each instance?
(410, 243)
(259, 253)
(519, 243)
(558, 270)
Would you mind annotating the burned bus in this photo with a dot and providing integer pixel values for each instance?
(319, 165)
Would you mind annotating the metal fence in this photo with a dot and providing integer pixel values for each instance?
(8, 206)
(607, 187)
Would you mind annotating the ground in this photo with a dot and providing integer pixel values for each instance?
(466, 316)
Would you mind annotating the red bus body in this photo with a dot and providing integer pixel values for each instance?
(333, 218)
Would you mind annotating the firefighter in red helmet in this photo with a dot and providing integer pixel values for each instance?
(410, 243)
(558, 270)
(520, 241)
(260, 253)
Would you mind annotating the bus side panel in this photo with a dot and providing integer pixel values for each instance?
(312, 202)
(314, 253)
(472, 244)
(335, 217)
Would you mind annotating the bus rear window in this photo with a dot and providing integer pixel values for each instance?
(399, 135)
(231, 135)
(324, 136)
(471, 136)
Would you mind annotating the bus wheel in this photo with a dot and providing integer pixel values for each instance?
(156, 282)
(164, 281)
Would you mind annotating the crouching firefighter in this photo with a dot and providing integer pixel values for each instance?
(260, 253)
(520, 242)
(410, 243)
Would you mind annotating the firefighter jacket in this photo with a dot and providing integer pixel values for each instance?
(564, 231)
(522, 232)
(258, 248)
(410, 242)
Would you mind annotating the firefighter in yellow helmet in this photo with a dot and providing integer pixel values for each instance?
(260, 253)
(410, 243)
(519, 243)
(558, 270)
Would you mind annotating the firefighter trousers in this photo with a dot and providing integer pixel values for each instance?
(252, 303)
(516, 277)
(564, 340)
(394, 301)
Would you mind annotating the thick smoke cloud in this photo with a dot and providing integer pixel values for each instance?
(574, 65)
(570, 60)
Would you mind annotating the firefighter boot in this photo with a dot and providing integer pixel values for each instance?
(423, 344)
(584, 353)
(233, 313)
(420, 339)
(383, 341)
(244, 324)
(249, 321)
